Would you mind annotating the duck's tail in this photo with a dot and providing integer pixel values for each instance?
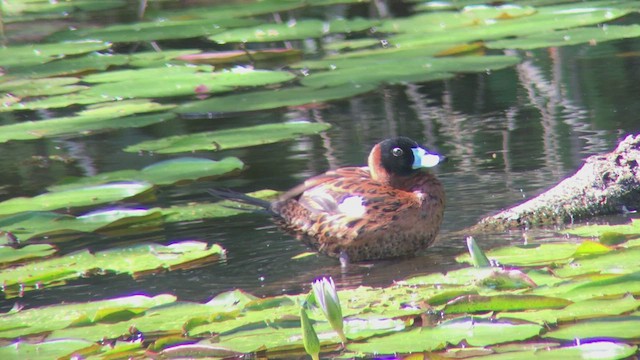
(242, 198)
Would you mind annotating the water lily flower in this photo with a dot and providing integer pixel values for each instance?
(309, 337)
(326, 296)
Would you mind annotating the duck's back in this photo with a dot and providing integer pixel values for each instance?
(346, 211)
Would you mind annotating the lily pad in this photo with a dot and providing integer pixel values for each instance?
(49, 318)
(623, 261)
(625, 327)
(301, 29)
(475, 331)
(160, 82)
(86, 196)
(230, 138)
(133, 260)
(32, 54)
(632, 228)
(53, 349)
(65, 67)
(99, 117)
(594, 350)
(273, 99)
(412, 70)
(28, 225)
(9, 254)
(161, 173)
(477, 303)
(591, 36)
(41, 87)
(153, 31)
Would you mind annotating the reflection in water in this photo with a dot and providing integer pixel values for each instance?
(509, 134)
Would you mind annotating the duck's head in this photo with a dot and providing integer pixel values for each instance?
(400, 156)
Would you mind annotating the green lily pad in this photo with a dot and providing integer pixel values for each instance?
(87, 196)
(412, 70)
(623, 261)
(625, 327)
(272, 99)
(569, 37)
(475, 331)
(53, 349)
(49, 318)
(208, 210)
(41, 87)
(160, 82)
(9, 254)
(578, 311)
(152, 31)
(32, 54)
(65, 67)
(99, 117)
(48, 9)
(478, 303)
(28, 225)
(162, 173)
(529, 255)
(632, 228)
(300, 29)
(594, 350)
(128, 260)
(230, 138)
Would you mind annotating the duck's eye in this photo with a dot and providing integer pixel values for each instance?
(397, 151)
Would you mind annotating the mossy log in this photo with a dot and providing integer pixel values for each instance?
(606, 184)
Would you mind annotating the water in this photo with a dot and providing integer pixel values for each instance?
(509, 135)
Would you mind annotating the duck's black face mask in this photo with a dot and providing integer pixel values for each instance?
(402, 156)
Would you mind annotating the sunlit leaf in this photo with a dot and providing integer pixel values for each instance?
(477, 303)
(128, 260)
(528, 255)
(161, 173)
(577, 311)
(53, 349)
(87, 196)
(632, 228)
(230, 138)
(94, 61)
(592, 36)
(272, 99)
(49, 318)
(600, 350)
(625, 327)
(475, 331)
(623, 261)
(231, 56)
(9, 254)
(41, 87)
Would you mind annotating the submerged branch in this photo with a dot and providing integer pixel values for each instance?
(606, 184)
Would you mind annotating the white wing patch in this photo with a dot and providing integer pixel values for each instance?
(353, 207)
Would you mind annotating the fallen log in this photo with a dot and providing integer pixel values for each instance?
(606, 184)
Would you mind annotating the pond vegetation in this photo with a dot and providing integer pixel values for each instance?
(555, 300)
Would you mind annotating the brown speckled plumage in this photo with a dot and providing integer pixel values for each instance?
(385, 210)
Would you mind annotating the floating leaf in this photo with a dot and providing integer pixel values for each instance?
(623, 261)
(412, 70)
(478, 303)
(301, 29)
(41, 87)
(475, 331)
(625, 327)
(161, 173)
(632, 228)
(272, 99)
(9, 254)
(100, 117)
(53, 349)
(87, 196)
(230, 138)
(152, 31)
(600, 350)
(94, 61)
(578, 310)
(234, 56)
(129, 260)
(49, 318)
(529, 255)
(159, 82)
(28, 225)
(32, 54)
(591, 36)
